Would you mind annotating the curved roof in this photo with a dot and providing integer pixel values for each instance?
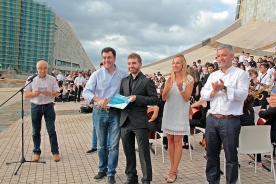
(256, 37)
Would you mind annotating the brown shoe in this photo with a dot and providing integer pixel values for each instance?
(56, 157)
(35, 158)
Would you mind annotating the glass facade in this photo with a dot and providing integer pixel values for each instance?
(26, 34)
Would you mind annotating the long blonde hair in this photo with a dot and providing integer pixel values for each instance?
(184, 68)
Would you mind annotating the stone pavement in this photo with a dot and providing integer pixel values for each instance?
(74, 136)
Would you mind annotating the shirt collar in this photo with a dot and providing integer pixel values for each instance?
(228, 70)
(137, 76)
(43, 78)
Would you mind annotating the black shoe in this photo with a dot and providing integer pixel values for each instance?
(132, 179)
(187, 147)
(145, 182)
(111, 180)
(100, 176)
(91, 151)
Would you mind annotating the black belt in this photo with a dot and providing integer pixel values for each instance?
(51, 104)
(107, 109)
(220, 116)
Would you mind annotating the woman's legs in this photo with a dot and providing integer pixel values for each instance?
(175, 153)
(171, 148)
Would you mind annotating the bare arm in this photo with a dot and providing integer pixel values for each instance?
(155, 113)
(201, 102)
(167, 89)
(188, 92)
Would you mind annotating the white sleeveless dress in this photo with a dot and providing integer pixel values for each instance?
(176, 112)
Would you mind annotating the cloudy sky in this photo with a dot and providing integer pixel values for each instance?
(155, 29)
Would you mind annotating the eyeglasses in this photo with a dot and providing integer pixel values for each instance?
(42, 69)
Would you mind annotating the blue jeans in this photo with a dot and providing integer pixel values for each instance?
(37, 111)
(107, 123)
(94, 138)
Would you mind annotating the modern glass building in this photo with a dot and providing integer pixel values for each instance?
(27, 34)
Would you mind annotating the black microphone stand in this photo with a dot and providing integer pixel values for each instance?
(22, 160)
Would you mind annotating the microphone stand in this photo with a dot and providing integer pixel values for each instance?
(22, 160)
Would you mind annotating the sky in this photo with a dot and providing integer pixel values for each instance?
(155, 29)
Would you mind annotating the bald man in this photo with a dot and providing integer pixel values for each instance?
(42, 92)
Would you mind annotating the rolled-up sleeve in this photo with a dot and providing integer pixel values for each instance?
(241, 92)
(88, 92)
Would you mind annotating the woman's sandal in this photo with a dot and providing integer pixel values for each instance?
(169, 180)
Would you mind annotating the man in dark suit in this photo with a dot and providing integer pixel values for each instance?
(134, 119)
(210, 69)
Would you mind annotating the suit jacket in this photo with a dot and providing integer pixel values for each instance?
(205, 79)
(146, 94)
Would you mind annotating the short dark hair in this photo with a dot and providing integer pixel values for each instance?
(101, 64)
(53, 69)
(210, 65)
(266, 65)
(108, 49)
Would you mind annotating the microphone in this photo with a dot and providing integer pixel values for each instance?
(32, 77)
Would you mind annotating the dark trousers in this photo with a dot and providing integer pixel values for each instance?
(128, 134)
(37, 111)
(222, 131)
(263, 101)
(78, 92)
(60, 83)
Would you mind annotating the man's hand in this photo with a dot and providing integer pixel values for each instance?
(133, 98)
(36, 93)
(272, 100)
(46, 93)
(218, 86)
(149, 76)
(102, 102)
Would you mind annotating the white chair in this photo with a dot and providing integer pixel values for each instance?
(251, 143)
(161, 142)
(256, 114)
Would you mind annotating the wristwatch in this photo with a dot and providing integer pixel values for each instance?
(224, 89)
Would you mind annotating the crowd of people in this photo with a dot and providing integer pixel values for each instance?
(227, 89)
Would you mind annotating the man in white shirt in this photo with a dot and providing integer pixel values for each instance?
(79, 82)
(264, 80)
(60, 78)
(242, 57)
(226, 89)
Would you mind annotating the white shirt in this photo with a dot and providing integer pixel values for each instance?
(79, 81)
(264, 79)
(241, 58)
(60, 77)
(237, 83)
(247, 67)
(48, 83)
(270, 72)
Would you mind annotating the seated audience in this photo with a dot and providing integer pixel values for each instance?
(204, 106)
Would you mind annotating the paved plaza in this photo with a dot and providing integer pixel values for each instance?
(74, 137)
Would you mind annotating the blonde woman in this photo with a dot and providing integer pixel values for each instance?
(175, 124)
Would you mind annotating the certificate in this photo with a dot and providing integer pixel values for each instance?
(119, 101)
